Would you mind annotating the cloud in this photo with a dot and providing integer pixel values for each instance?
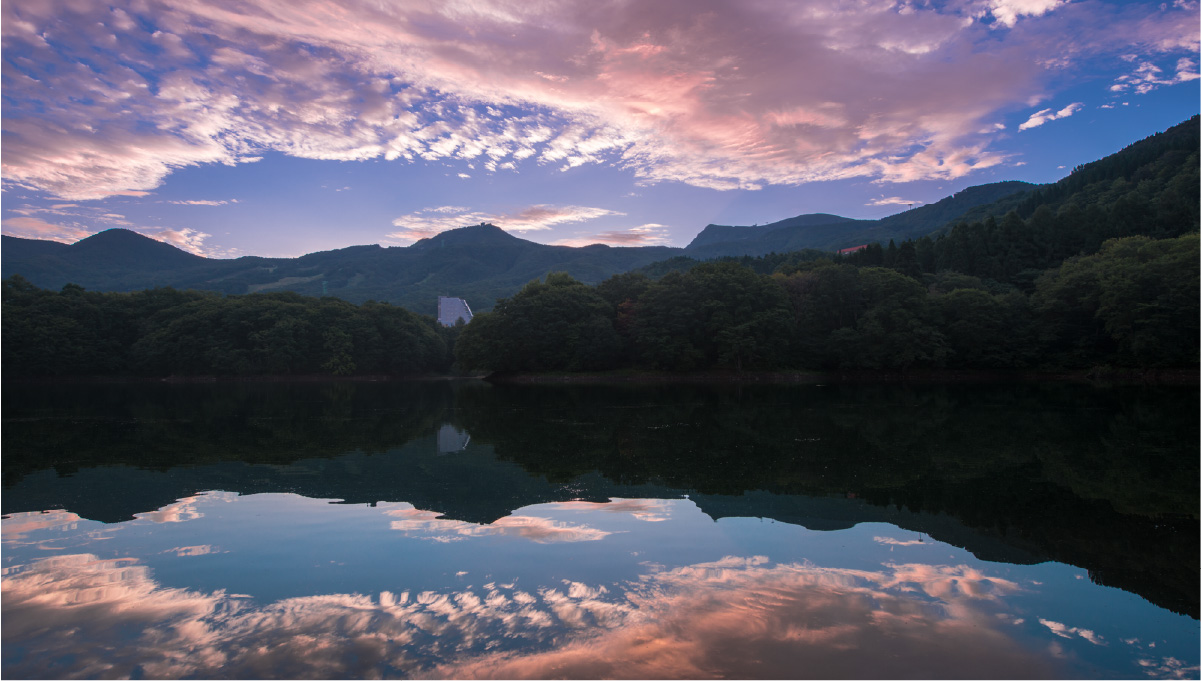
(431, 525)
(187, 239)
(18, 526)
(1046, 116)
(1148, 76)
(36, 228)
(825, 90)
(646, 510)
(188, 551)
(1006, 12)
(431, 221)
(1064, 631)
(185, 509)
(736, 617)
(650, 234)
(206, 202)
(74, 222)
(897, 542)
(891, 201)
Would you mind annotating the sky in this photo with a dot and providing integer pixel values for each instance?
(283, 127)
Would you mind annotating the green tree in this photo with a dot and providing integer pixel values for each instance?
(559, 324)
(716, 314)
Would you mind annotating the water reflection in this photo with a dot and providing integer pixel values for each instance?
(737, 616)
(451, 439)
(431, 525)
(1103, 479)
(325, 531)
(844, 611)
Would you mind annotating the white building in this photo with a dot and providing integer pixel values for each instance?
(451, 310)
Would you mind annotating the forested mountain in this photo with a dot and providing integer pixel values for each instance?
(831, 232)
(480, 263)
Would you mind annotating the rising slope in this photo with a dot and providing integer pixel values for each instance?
(831, 232)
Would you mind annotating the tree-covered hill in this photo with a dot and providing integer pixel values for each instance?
(480, 263)
(831, 232)
(1154, 178)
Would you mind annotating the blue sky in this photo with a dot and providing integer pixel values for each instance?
(282, 127)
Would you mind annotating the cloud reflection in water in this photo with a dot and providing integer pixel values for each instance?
(431, 525)
(743, 617)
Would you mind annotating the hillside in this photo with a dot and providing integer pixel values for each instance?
(832, 232)
(480, 263)
(1148, 189)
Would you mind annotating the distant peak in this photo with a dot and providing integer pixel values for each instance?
(482, 233)
(114, 234)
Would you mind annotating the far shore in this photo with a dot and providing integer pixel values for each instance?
(1096, 376)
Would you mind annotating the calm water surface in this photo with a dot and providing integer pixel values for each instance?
(462, 530)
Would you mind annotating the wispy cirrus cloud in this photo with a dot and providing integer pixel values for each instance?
(431, 221)
(1048, 115)
(826, 90)
(1064, 631)
(203, 202)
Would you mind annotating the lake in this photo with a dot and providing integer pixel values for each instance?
(459, 529)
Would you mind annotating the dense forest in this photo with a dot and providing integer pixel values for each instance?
(165, 332)
(1134, 303)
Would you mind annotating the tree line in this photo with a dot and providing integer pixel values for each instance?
(1133, 303)
(165, 332)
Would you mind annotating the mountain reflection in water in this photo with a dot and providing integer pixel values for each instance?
(532, 532)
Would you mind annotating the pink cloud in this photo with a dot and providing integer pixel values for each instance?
(539, 530)
(190, 240)
(36, 228)
(673, 92)
(892, 201)
(17, 526)
(738, 617)
(650, 234)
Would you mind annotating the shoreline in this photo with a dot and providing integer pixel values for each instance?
(1095, 376)
(285, 378)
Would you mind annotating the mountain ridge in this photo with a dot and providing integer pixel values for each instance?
(823, 231)
(483, 262)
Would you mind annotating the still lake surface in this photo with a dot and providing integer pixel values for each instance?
(459, 529)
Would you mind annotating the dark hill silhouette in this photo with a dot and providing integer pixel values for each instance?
(831, 232)
(130, 250)
(480, 263)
